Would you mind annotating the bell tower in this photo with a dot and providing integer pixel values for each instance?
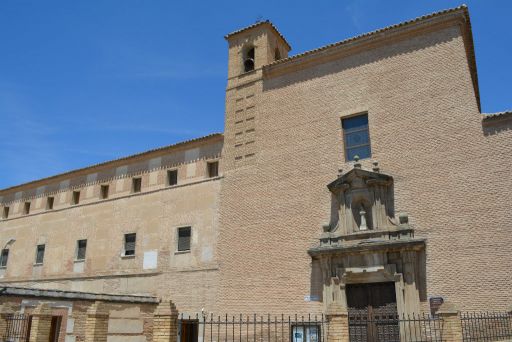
(250, 50)
(253, 47)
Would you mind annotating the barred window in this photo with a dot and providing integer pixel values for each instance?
(357, 137)
(172, 177)
(184, 234)
(129, 244)
(136, 184)
(81, 248)
(3, 257)
(40, 254)
(306, 333)
(49, 203)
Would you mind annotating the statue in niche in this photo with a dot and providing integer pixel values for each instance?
(362, 225)
(362, 204)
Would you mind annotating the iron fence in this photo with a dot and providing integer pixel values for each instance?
(488, 326)
(364, 327)
(18, 328)
(253, 328)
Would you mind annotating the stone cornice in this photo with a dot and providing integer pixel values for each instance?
(75, 295)
(369, 246)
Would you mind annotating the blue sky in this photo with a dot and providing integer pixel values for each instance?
(83, 82)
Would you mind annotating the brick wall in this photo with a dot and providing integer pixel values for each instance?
(425, 130)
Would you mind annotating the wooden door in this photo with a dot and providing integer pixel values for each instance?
(373, 315)
(55, 328)
(189, 330)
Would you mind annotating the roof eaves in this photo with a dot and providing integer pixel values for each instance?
(265, 22)
(498, 115)
(367, 34)
(176, 145)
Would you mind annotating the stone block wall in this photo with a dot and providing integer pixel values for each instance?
(91, 321)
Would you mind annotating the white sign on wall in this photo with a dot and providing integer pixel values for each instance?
(150, 260)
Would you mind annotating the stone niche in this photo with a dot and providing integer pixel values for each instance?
(365, 243)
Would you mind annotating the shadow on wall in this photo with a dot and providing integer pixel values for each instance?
(316, 282)
(495, 127)
(336, 60)
(421, 284)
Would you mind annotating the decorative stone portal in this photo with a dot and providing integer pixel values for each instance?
(363, 244)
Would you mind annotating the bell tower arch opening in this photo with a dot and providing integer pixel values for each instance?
(248, 58)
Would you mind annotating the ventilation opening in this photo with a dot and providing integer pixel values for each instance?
(277, 54)
(26, 208)
(104, 191)
(76, 197)
(213, 169)
(49, 203)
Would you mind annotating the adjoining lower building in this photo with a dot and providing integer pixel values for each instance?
(360, 175)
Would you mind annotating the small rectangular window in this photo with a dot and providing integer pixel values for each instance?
(129, 244)
(81, 248)
(76, 197)
(40, 254)
(213, 169)
(356, 137)
(136, 184)
(26, 208)
(49, 203)
(172, 177)
(104, 191)
(3, 257)
(184, 234)
(5, 213)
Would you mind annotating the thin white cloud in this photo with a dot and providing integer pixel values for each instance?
(356, 12)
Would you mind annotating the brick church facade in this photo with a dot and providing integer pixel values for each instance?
(361, 169)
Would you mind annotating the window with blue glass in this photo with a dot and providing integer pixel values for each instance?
(357, 137)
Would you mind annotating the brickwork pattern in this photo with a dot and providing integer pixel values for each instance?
(338, 325)
(165, 323)
(451, 326)
(425, 131)
(41, 324)
(96, 324)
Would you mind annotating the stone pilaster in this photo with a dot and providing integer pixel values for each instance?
(337, 316)
(510, 317)
(452, 327)
(165, 323)
(41, 323)
(3, 320)
(96, 323)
